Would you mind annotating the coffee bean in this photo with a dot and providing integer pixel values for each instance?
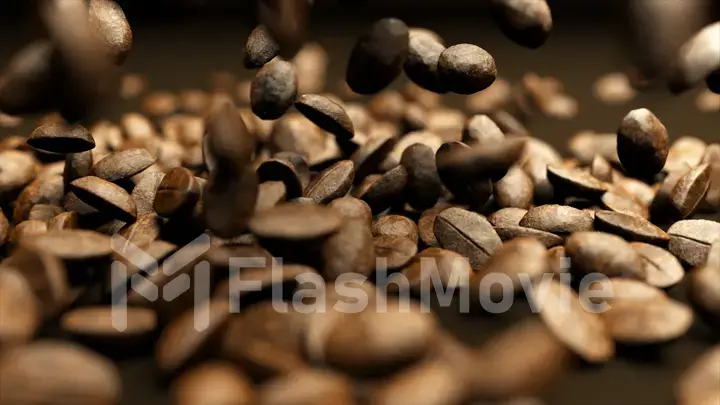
(350, 250)
(177, 193)
(712, 155)
(426, 138)
(47, 190)
(510, 232)
(73, 244)
(227, 384)
(575, 183)
(704, 292)
(145, 230)
(378, 57)
(481, 161)
(630, 227)
(662, 268)
(108, 20)
(690, 190)
(71, 374)
(27, 82)
(17, 169)
(396, 225)
(397, 251)
(624, 204)
(537, 170)
(274, 90)
(604, 253)
(270, 194)
(228, 201)
(4, 228)
(260, 48)
(696, 60)
(507, 217)
(648, 322)
(402, 389)
(423, 187)
(691, 239)
(122, 165)
(466, 69)
(476, 192)
(59, 138)
(307, 388)
(601, 169)
(581, 331)
(586, 144)
(483, 130)
(527, 23)
(44, 212)
(333, 183)
(521, 259)
(296, 222)
(642, 143)
(614, 89)
(558, 219)
(20, 311)
(229, 143)
(105, 197)
(435, 265)
(514, 190)
(287, 21)
(27, 228)
(387, 190)
(326, 114)
(145, 191)
(352, 208)
(467, 233)
(96, 323)
(266, 276)
(421, 65)
(697, 384)
(426, 224)
(77, 165)
(713, 257)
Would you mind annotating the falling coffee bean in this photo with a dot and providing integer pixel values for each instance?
(575, 183)
(326, 114)
(423, 188)
(290, 168)
(296, 222)
(382, 193)
(528, 22)
(466, 69)
(177, 193)
(274, 90)
(421, 65)
(333, 183)
(690, 190)
(260, 48)
(642, 143)
(105, 196)
(59, 138)
(109, 22)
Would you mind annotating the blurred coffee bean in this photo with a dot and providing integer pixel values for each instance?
(696, 59)
(604, 253)
(290, 168)
(396, 225)
(614, 89)
(697, 383)
(350, 250)
(393, 252)
(286, 21)
(20, 312)
(352, 208)
(386, 190)
(213, 383)
(274, 89)
(307, 388)
(648, 322)
(691, 239)
(61, 139)
(26, 84)
(527, 22)
(296, 222)
(466, 69)
(662, 268)
(514, 190)
(109, 22)
(482, 161)
(704, 292)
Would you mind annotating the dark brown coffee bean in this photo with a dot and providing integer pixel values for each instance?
(528, 23)
(350, 250)
(507, 217)
(260, 48)
(60, 138)
(105, 197)
(27, 84)
(695, 59)
(648, 322)
(483, 130)
(270, 194)
(73, 244)
(227, 384)
(228, 143)
(601, 169)
(72, 374)
(290, 168)
(296, 222)
(466, 69)
(386, 190)
(20, 310)
(514, 190)
(467, 233)
(697, 384)
(642, 143)
(421, 65)
(177, 193)
(510, 232)
(423, 187)
(77, 165)
(396, 251)
(96, 323)
(630, 227)
(476, 192)
(308, 387)
(369, 156)
(287, 21)
(604, 253)
(44, 212)
(145, 191)
(274, 90)
(581, 331)
(483, 161)
(575, 183)
(122, 165)
(662, 268)
(517, 258)
(326, 114)
(333, 183)
(558, 219)
(352, 208)
(108, 20)
(691, 239)
(624, 204)
(378, 57)
(690, 190)
(396, 225)
(402, 389)
(228, 201)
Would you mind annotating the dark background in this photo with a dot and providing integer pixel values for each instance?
(178, 44)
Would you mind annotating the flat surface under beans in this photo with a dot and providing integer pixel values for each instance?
(182, 56)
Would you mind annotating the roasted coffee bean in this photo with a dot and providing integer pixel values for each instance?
(510, 232)
(514, 190)
(378, 57)
(290, 168)
(624, 204)
(47, 190)
(296, 222)
(20, 312)
(604, 253)
(575, 183)
(662, 210)
(270, 194)
(350, 250)
(586, 144)
(704, 292)
(423, 137)
(483, 130)
(145, 191)
(537, 170)
(44, 212)
(643, 143)
(696, 59)
(521, 260)
(393, 252)
(507, 217)
(690, 190)
(73, 244)
(287, 21)
(214, 383)
(145, 230)
(614, 89)
(476, 192)
(369, 156)
(27, 228)
(712, 157)
(333, 183)
(59, 138)
(105, 197)
(326, 114)
(17, 169)
(581, 331)
(423, 188)
(630, 227)
(663, 270)
(4, 228)
(466, 69)
(697, 384)
(108, 20)
(467, 233)
(228, 201)
(228, 142)
(648, 322)
(266, 276)
(177, 193)
(412, 386)
(96, 324)
(387, 190)
(77, 165)
(308, 387)
(558, 219)
(421, 65)
(431, 266)
(685, 153)
(527, 22)
(482, 161)
(27, 83)
(396, 225)
(274, 90)
(691, 239)
(71, 374)
(260, 48)
(426, 224)
(311, 63)
(351, 208)
(601, 169)
(122, 165)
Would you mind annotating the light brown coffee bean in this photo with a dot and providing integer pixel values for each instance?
(575, 183)
(270, 194)
(106, 197)
(326, 114)
(421, 65)
(350, 250)
(108, 21)
(558, 219)
(431, 266)
(507, 217)
(643, 143)
(467, 233)
(46, 275)
(396, 225)
(704, 292)
(514, 190)
(351, 208)
(624, 204)
(685, 153)
(287, 21)
(427, 383)
(17, 169)
(44, 212)
(27, 228)
(510, 232)
(177, 193)
(393, 252)
(697, 384)
(20, 312)
(122, 165)
(601, 169)
(466, 69)
(47, 190)
(60, 138)
(213, 383)
(145, 191)
(527, 23)
(274, 90)
(537, 170)
(648, 322)
(690, 190)
(614, 88)
(424, 187)
(97, 323)
(662, 268)
(522, 259)
(229, 144)
(483, 130)
(308, 388)
(691, 239)
(145, 230)
(73, 244)
(695, 59)
(260, 48)
(630, 227)
(296, 222)
(604, 253)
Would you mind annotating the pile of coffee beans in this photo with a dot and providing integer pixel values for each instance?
(277, 184)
